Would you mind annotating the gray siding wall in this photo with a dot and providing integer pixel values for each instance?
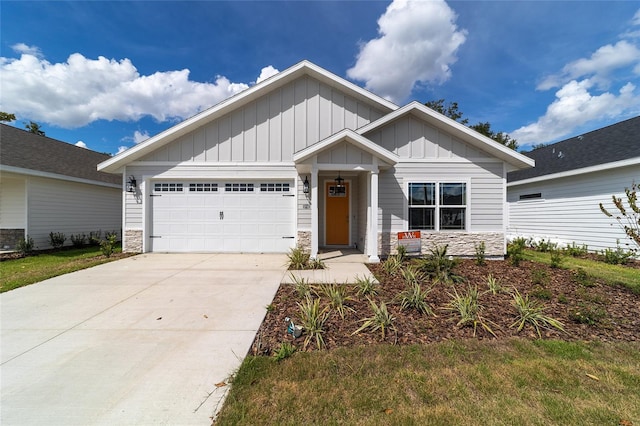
(569, 209)
(485, 192)
(272, 128)
(71, 208)
(304, 207)
(12, 202)
(409, 137)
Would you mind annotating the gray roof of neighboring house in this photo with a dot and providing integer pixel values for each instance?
(26, 150)
(620, 141)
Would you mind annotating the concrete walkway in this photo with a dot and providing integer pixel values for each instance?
(140, 341)
(344, 266)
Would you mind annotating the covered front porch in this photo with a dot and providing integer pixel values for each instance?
(341, 186)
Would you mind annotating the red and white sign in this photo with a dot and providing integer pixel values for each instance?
(411, 241)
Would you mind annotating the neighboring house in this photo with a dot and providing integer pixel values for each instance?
(309, 159)
(51, 186)
(559, 199)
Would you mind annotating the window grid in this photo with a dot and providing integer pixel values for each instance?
(238, 187)
(274, 187)
(203, 187)
(437, 206)
(167, 187)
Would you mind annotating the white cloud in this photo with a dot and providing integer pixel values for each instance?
(417, 44)
(267, 72)
(599, 66)
(575, 106)
(27, 50)
(81, 90)
(140, 136)
(81, 144)
(122, 149)
(636, 18)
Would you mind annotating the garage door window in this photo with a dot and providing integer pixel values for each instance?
(167, 187)
(238, 187)
(274, 187)
(203, 187)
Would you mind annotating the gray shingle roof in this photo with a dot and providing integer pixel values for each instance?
(19, 148)
(620, 141)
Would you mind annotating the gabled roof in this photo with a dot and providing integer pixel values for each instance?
(353, 138)
(454, 128)
(612, 145)
(26, 152)
(301, 69)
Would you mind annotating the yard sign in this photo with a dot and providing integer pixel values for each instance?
(410, 240)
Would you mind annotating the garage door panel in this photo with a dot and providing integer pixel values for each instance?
(251, 221)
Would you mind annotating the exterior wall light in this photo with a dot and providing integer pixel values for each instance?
(305, 185)
(339, 181)
(131, 184)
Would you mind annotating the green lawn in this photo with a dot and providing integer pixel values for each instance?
(612, 274)
(28, 270)
(510, 382)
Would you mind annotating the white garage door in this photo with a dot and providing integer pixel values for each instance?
(231, 217)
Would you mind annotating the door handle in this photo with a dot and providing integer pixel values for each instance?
(221, 215)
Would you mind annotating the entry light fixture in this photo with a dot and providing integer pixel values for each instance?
(305, 185)
(339, 181)
(131, 184)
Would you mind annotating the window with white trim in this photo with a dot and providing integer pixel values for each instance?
(167, 187)
(238, 187)
(274, 187)
(437, 206)
(203, 187)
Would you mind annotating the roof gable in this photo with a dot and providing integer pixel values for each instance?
(29, 151)
(453, 128)
(611, 144)
(240, 100)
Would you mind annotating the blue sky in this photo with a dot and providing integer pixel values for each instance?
(110, 74)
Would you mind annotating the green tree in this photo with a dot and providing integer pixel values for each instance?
(6, 117)
(34, 127)
(452, 110)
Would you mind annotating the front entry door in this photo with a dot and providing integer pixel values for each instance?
(337, 214)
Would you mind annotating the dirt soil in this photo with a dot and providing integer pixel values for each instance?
(592, 312)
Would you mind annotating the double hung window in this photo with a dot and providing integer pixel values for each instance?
(437, 206)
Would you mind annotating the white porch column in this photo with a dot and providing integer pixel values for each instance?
(372, 244)
(314, 210)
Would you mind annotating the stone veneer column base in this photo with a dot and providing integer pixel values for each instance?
(133, 241)
(459, 243)
(304, 240)
(10, 237)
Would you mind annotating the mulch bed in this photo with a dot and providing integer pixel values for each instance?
(616, 309)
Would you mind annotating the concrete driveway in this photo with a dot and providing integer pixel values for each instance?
(143, 340)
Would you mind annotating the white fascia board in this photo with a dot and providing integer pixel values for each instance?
(520, 161)
(48, 175)
(236, 101)
(576, 172)
(351, 137)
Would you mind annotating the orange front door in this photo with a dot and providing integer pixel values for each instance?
(337, 214)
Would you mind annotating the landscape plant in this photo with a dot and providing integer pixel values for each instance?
(57, 239)
(285, 350)
(515, 250)
(556, 257)
(628, 217)
(480, 253)
(575, 250)
(468, 307)
(617, 256)
(392, 264)
(532, 312)
(25, 246)
(337, 297)
(439, 267)
(381, 320)
(414, 297)
(312, 319)
(302, 286)
(94, 237)
(109, 244)
(79, 240)
(366, 286)
(494, 284)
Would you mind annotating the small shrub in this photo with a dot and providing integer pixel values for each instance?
(302, 286)
(494, 285)
(402, 252)
(337, 295)
(413, 297)
(576, 251)
(298, 258)
(439, 267)
(285, 350)
(562, 298)
(381, 320)
(392, 264)
(312, 320)
(480, 253)
(556, 258)
(515, 251)
(581, 277)
(587, 314)
(544, 245)
(316, 263)
(57, 239)
(79, 240)
(366, 286)
(108, 246)
(270, 307)
(541, 292)
(540, 277)
(618, 256)
(25, 246)
(468, 307)
(94, 237)
(532, 312)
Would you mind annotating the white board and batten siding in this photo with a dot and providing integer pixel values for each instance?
(70, 208)
(568, 208)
